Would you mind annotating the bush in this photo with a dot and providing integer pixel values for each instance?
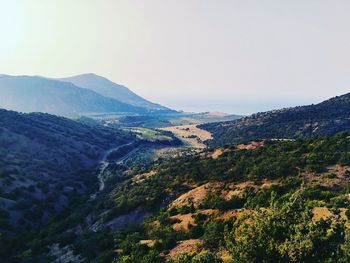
(286, 233)
(205, 257)
(213, 234)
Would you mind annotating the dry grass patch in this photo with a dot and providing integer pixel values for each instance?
(324, 213)
(340, 170)
(335, 177)
(148, 242)
(225, 256)
(250, 145)
(195, 196)
(185, 222)
(234, 213)
(209, 212)
(189, 246)
(140, 177)
(218, 152)
(238, 189)
(245, 184)
(228, 194)
(268, 183)
(190, 134)
(320, 213)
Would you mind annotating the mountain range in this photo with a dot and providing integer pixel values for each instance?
(110, 89)
(66, 98)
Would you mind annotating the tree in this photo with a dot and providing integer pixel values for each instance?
(152, 257)
(204, 257)
(286, 233)
(213, 234)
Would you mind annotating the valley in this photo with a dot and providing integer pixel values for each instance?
(103, 166)
(175, 187)
(198, 205)
(160, 131)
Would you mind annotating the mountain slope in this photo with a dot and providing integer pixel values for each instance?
(110, 89)
(38, 94)
(325, 118)
(46, 161)
(292, 195)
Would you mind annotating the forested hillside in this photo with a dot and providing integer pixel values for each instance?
(326, 118)
(272, 201)
(45, 162)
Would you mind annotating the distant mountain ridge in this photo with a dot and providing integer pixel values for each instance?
(325, 118)
(40, 94)
(110, 89)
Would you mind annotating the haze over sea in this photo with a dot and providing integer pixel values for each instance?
(236, 106)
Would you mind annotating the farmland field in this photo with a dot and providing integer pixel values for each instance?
(190, 134)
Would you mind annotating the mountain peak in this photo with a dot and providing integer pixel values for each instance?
(113, 90)
(40, 94)
(88, 75)
(70, 97)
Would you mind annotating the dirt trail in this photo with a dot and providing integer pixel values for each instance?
(104, 164)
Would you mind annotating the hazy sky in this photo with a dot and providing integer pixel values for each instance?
(236, 56)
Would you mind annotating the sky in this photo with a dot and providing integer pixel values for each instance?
(237, 56)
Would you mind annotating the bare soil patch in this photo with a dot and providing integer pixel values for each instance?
(141, 177)
(195, 196)
(148, 242)
(324, 213)
(186, 246)
(335, 177)
(217, 153)
(186, 221)
(234, 213)
(251, 145)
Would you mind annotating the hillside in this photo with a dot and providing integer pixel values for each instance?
(221, 206)
(110, 89)
(38, 94)
(326, 118)
(45, 162)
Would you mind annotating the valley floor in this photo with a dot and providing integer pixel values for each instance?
(190, 134)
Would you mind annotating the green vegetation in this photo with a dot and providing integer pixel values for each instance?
(326, 118)
(151, 134)
(157, 119)
(261, 205)
(206, 257)
(283, 211)
(286, 233)
(46, 162)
